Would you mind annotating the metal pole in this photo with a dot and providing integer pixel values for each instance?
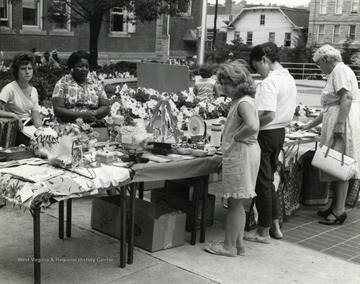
(203, 33)
(215, 20)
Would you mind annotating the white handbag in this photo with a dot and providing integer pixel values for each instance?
(334, 163)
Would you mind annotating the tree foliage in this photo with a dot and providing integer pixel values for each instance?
(94, 12)
(223, 52)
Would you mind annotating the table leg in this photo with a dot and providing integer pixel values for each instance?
(205, 189)
(141, 190)
(123, 227)
(195, 208)
(61, 219)
(132, 222)
(36, 224)
(68, 217)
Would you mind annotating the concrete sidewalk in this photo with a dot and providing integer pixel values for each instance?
(92, 257)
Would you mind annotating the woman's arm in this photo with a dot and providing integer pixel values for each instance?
(35, 115)
(67, 115)
(103, 109)
(266, 117)
(217, 92)
(312, 123)
(4, 113)
(345, 106)
(251, 122)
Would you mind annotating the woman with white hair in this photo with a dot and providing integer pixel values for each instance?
(340, 124)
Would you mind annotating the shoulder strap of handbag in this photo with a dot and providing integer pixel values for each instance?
(333, 139)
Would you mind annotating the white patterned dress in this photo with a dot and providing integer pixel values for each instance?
(342, 77)
(241, 161)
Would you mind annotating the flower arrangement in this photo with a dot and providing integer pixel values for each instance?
(83, 131)
(140, 103)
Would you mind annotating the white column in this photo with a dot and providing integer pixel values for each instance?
(203, 33)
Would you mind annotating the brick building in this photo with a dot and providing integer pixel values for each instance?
(334, 21)
(24, 27)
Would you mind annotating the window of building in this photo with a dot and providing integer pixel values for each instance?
(323, 5)
(321, 33)
(354, 6)
(287, 39)
(249, 38)
(236, 35)
(352, 31)
(185, 8)
(32, 13)
(262, 20)
(60, 15)
(119, 23)
(336, 36)
(338, 6)
(5, 14)
(272, 37)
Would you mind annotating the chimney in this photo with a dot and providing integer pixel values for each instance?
(228, 5)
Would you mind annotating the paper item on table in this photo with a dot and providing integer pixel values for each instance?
(86, 172)
(9, 164)
(157, 158)
(188, 157)
(33, 173)
(175, 157)
(108, 175)
(121, 164)
(33, 161)
(25, 192)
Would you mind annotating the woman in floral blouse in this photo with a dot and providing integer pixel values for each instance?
(79, 94)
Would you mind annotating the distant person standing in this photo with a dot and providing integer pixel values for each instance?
(49, 61)
(206, 87)
(55, 56)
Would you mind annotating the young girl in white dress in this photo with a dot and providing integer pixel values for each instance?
(241, 155)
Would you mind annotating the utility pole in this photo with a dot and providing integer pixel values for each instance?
(203, 33)
(215, 20)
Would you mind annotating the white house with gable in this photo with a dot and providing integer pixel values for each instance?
(258, 24)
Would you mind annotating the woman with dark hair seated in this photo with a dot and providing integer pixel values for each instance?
(79, 94)
(19, 99)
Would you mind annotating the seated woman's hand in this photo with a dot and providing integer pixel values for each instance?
(39, 132)
(89, 116)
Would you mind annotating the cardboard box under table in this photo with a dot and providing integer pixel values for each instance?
(178, 194)
(198, 170)
(156, 227)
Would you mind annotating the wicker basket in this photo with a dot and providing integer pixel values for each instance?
(8, 131)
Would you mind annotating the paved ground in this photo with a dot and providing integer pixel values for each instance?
(92, 257)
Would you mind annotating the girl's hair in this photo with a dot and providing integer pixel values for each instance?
(76, 56)
(327, 52)
(268, 49)
(21, 60)
(205, 71)
(237, 75)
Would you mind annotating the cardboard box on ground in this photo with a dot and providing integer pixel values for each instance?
(178, 194)
(156, 227)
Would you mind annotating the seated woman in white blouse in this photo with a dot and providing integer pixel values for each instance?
(19, 99)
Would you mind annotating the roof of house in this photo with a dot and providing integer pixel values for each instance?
(298, 17)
